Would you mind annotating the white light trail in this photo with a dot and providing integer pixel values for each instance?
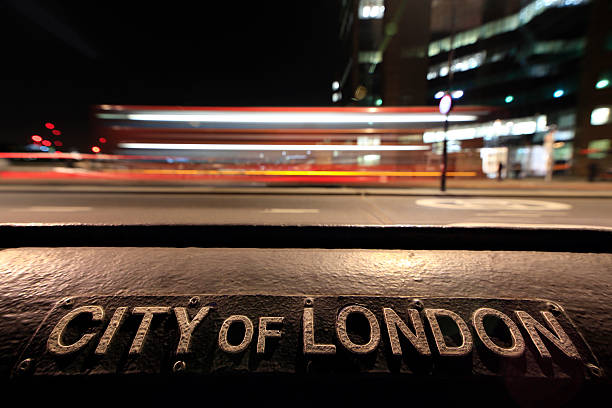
(288, 118)
(254, 147)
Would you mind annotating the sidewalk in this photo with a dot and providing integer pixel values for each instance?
(455, 188)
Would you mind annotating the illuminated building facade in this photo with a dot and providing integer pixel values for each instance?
(540, 61)
(545, 64)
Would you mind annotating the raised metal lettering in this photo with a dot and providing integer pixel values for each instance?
(342, 333)
(418, 339)
(518, 344)
(55, 344)
(264, 332)
(186, 327)
(310, 347)
(246, 340)
(559, 338)
(145, 324)
(110, 331)
(445, 350)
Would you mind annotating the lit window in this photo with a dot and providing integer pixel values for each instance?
(370, 57)
(370, 9)
(503, 25)
(600, 116)
(466, 63)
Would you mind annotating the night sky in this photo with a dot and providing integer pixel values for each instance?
(59, 58)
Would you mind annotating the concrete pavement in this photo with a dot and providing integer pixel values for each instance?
(150, 207)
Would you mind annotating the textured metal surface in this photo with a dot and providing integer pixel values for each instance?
(33, 279)
(147, 341)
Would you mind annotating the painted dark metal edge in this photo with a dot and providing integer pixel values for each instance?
(411, 237)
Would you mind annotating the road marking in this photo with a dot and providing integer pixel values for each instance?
(291, 210)
(538, 226)
(517, 214)
(492, 204)
(52, 209)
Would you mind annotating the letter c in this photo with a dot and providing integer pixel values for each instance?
(54, 343)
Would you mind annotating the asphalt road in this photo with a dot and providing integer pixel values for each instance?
(277, 209)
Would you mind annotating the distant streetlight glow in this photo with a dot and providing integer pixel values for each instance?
(56, 132)
(558, 93)
(49, 125)
(335, 85)
(37, 138)
(457, 94)
(603, 83)
(600, 116)
(46, 143)
(509, 99)
(379, 102)
(95, 149)
(439, 94)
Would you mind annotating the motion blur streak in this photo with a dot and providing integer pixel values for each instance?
(301, 117)
(310, 173)
(194, 146)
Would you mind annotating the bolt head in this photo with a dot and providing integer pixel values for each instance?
(594, 370)
(194, 301)
(308, 302)
(25, 365)
(417, 304)
(179, 366)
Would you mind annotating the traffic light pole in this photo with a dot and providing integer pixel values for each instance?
(444, 157)
(451, 53)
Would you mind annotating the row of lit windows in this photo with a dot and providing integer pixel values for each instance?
(490, 130)
(504, 25)
(475, 60)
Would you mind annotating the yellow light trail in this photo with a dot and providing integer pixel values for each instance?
(306, 173)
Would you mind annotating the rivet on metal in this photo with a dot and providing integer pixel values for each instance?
(553, 308)
(179, 366)
(308, 302)
(417, 304)
(594, 370)
(194, 301)
(67, 302)
(25, 365)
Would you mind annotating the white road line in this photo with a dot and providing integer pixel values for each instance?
(537, 226)
(291, 210)
(492, 204)
(51, 209)
(508, 214)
